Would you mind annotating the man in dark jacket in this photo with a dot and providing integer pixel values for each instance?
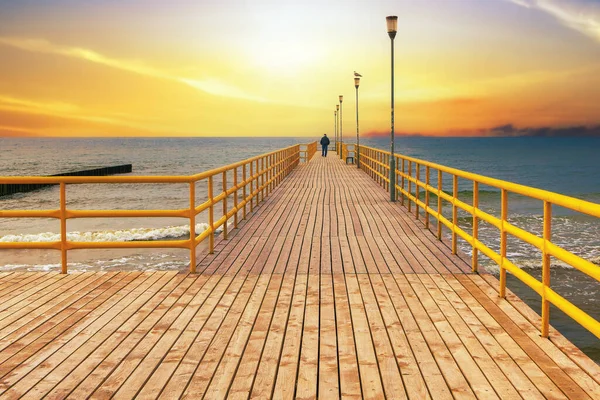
(324, 144)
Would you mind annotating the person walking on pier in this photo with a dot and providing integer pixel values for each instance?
(324, 144)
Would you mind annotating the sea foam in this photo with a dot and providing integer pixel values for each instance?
(125, 235)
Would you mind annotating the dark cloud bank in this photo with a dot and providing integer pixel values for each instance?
(546, 131)
(510, 130)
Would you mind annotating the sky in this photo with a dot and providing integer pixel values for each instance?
(276, 67)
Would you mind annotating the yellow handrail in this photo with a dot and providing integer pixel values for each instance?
(375, 162)
(307, 151)
(260, 175)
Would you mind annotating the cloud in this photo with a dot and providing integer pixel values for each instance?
(510, 130)
(67, 111)
(580, 15)
(211, 86)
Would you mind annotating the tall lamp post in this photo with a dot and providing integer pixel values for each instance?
(337, 129)
(392, 27)
(357, 151)
(341, 128)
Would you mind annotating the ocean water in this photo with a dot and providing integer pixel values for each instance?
(563, 165)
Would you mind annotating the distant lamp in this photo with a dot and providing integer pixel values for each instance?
(341, 127)
(392, 25)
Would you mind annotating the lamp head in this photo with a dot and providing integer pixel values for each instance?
(392, 25)
(341, 97)
(356, 82)
(337, 107)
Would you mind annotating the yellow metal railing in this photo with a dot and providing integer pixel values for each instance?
(307, 151)
(376, 163)
(253, 178)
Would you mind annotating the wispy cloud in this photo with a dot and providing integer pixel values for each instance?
(68, 111)
(580, 15)
(211, 86)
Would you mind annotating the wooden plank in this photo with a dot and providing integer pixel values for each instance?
(62, 365)
(286, 373)
(514, 324)
(235, 374)
(505, 352)
(496, 378)
(370, 378)
(447, 364)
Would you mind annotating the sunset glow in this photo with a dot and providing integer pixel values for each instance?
(275, 68)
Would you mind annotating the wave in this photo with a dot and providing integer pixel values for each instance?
(125, 235)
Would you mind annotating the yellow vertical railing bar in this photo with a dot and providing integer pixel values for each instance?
(63, 227)
(269, 172)
(418, 175)
(396, 175)
(211, 216)
(439, 201)
(427, 197)
(503, 215)
(225, 204)
(262, 179)
(409, 185)
(402, 181)
(475, 255)
(244, 189)
(547, 235)
(235, 197)
(454, 212)
(193, 227)
(251, 186)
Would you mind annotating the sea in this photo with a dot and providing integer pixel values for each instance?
(564, 165)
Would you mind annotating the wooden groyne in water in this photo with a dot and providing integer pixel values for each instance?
(7, 189)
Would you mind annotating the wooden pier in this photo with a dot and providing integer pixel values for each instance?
(327, 290)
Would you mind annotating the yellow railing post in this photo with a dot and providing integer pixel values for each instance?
(211, 216)
(427, 197)
(475, 256)
(193, 227)
(503, 215)
(454, 211)
(409, 185)
(244, 189)
(225, 204)
(63, 227)
(439, 205)
(418, 172)
(402, 181)
(547, 235)
(235, 197)
(251, 186)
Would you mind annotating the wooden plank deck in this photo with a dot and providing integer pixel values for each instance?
(327, 291)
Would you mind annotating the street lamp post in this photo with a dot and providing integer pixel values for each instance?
(357, 151)
(337, 129)
(341, 128)
(392, 27)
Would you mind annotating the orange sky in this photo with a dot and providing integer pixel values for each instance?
(276, 67)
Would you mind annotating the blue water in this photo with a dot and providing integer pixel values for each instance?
(563, 165)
